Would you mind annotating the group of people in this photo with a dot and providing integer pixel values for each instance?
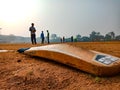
(43, 37)
(33, 35)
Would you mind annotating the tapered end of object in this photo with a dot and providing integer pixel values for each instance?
(21, 50)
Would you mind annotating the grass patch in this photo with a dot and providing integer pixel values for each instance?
(97, 79)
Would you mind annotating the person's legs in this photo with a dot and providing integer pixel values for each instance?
(32, 39)
(35, 39)
(48, 40)
(42, 40)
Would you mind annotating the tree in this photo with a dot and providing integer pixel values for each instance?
(53, 36)
(78, 37)
(92, 35)
(117, 37)
(85, 39)
(95, 36)
(112, 34)
(101, 38)
(107, 37)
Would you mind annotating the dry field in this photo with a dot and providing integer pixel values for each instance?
(22, 72)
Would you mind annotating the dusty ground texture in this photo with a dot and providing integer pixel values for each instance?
(22, 72)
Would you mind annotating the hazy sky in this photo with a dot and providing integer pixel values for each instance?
(63, 17)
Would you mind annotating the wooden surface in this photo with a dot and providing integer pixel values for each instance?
(79, 58)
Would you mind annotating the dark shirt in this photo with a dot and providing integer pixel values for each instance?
(42, 35)
(32, 30)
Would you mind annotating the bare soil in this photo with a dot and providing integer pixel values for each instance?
(22, 72)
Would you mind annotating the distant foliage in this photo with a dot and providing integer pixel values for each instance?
(78, 37)
(110, 36)
(117, 37)
(85, 39)
(96, 36)
(93, 36)
(53, 36)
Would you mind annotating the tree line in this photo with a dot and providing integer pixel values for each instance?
(93, 36)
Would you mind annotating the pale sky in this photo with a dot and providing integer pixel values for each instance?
(62, 17)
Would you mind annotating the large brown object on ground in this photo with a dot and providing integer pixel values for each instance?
(86, 60)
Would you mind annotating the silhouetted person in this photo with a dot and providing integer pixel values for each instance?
(48, 37)
(63, 39)
(71, 38)
(33, 35)
(42, 37)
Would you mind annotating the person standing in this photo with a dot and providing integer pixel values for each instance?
(42, 37)
(71, 38)
(48, 37)
(63, 39)
(33, 35)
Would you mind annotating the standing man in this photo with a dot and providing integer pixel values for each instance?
(71, 38)
(48, 37)
(42, 37)
(33, 35)
(63, 39)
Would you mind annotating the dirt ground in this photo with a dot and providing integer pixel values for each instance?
(22, 72)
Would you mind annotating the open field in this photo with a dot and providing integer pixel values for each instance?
(22, 72)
